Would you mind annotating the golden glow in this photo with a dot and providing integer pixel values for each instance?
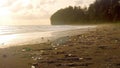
(25, 38)
(5, 16)
(28, 12)
(4, 11)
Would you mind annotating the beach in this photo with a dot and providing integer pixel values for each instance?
(93, 48)
(33, 34)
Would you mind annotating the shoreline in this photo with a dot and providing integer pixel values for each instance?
(39, 37)
(98, 48)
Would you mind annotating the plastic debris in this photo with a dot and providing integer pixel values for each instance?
(26, 49)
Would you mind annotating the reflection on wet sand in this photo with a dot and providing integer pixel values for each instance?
(23, 39)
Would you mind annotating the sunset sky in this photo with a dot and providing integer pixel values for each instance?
(33, 12)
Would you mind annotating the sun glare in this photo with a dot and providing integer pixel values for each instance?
(4, 39)
(4, 12)
(5, 16)
(2, 2)
(25, 2)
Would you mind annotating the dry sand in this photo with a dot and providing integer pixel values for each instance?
(95, 49)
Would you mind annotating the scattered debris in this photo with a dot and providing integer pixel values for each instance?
(26, 49)
(34, 65)
(36, 58)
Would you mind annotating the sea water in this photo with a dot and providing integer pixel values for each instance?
(30, 34)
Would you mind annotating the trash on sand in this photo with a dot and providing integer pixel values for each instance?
(36, 58)
(26, 49)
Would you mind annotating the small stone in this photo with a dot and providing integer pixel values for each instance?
(69, 54)
(58, 44)
(116, 41)
(4, 56)
(32, 66)
(81, 58)
(39, 58)
(32, 57)
(23, 50)
(74, 39)
(42, 51)
(56, 48)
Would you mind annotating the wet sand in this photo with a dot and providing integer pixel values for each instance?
(31, 38)
(95, 49)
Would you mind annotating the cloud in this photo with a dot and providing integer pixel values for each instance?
(42, 2)
(78, 2)
(83, 3)
(37, 9)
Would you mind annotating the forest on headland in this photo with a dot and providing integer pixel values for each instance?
(101, 11)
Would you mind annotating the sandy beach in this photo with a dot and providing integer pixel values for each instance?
(17, 37)
(97, 48)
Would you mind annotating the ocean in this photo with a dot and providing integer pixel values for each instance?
(31, 34)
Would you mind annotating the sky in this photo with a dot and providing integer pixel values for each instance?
(33, 12)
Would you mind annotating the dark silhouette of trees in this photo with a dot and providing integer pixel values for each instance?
(100, 11)
(105, 10)
(68, 15)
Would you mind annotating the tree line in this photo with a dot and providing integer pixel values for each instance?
(100, 11)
